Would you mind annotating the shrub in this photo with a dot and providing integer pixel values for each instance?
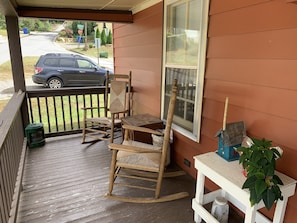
(104, 54)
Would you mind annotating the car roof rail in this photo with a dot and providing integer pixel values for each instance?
(63, 55)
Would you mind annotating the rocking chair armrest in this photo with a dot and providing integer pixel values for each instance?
(142, 129)
(118, 112)
(133, 149)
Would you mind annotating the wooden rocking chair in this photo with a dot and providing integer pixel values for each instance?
(146, 160)
(116, 106)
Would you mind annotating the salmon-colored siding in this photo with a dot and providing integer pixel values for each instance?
(251, 58)
(139, 49)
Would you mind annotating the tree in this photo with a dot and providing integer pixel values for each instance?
(34, 24)
(109, 38)
(97, 33)
(2, 22)
(103, 37)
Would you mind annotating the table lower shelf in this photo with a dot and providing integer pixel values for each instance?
(210, 197)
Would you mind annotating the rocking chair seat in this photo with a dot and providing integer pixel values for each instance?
(150, 161)
(104, 120)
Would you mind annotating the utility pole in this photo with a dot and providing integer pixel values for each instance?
(86, 36)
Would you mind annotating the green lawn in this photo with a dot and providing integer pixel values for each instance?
(5, 68)
(93, 52)
(3, 32)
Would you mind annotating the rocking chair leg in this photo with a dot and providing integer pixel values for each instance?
(112, 171)
(112, 129)
(83, 134)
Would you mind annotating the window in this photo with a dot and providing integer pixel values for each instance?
(84, 64)
(51, 62)
(67, 62)
(184, 47)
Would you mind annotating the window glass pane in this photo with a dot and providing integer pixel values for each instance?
(84, 64)
(182, 35)
(52, 62)
(184, 108)
(65, 62)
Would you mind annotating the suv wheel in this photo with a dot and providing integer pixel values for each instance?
(55, 82)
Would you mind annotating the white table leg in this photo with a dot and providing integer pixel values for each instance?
(199, 194)
(279, 212)
(250, 214)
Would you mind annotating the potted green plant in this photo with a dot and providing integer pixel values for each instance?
(259, 161)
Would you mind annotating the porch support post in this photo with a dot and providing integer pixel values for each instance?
(16, 59)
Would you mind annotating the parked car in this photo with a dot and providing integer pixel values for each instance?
(56, 70)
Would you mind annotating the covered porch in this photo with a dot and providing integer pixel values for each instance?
(254, 63)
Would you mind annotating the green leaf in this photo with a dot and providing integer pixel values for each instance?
(249, 182)
(268, 170)
(257, 142)
(262, 142)
(256, 156)
(260, 175)
(268, 198)
(253, 197)
(277, 180)
(242, 149)
(277, 192)
(268, 155)
(260, 186)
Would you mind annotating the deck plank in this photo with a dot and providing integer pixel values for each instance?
(65, 181)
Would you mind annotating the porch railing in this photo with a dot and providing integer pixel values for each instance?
(59, 110)
(12, 153)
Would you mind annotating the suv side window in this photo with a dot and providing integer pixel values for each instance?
(51, 62)
(84, 64)
(67, 62)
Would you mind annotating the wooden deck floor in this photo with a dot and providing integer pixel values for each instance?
(65, 181)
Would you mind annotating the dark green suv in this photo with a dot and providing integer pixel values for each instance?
(56, 70)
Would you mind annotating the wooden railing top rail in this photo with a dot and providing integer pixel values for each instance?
(8, 115)
(65, 91)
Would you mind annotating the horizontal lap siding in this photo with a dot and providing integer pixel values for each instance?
(252, 59)
(139, 48)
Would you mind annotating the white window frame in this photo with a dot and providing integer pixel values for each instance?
(195, 134)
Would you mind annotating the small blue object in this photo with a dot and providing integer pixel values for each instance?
(230, 139)
(79, 39)
(25, 30)
(228, 152)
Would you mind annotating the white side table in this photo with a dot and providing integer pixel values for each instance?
(228, 176)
